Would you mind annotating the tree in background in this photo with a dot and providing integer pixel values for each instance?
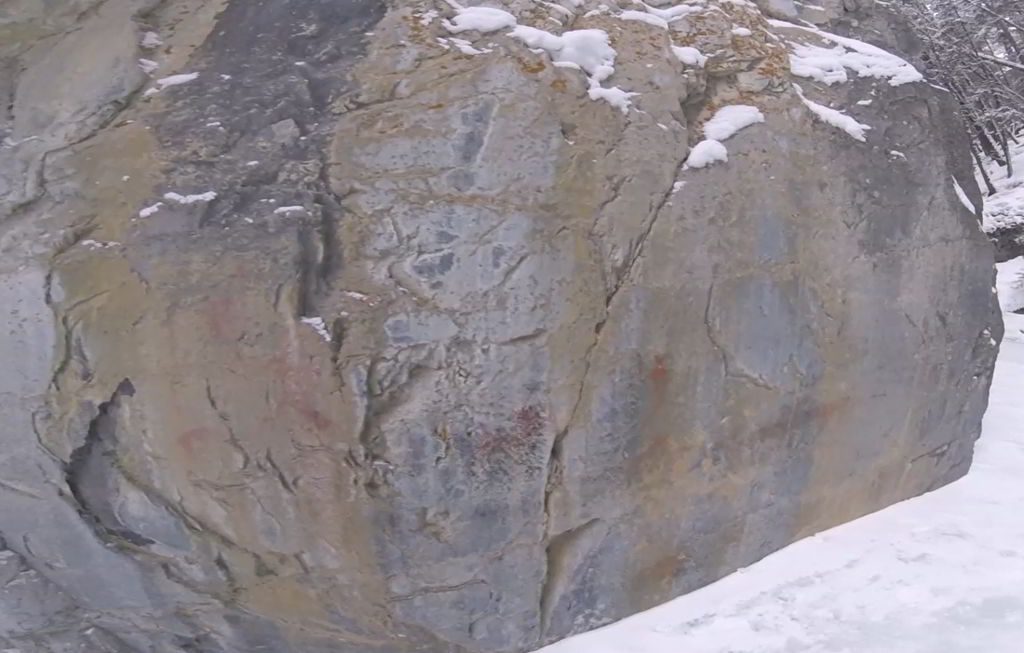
(975, 48)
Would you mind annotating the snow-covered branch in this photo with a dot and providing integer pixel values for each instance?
(1002, 62)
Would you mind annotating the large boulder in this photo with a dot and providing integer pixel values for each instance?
(353, 327)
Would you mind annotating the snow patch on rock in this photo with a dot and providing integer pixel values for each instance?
(176, 80)
(731, 119)
(835, 118)
(726, 122)
(689, 56)
(150, 210)
(585, 49)
(178, 198)
(644, 17)
(705, 153)
(319, 326)
(828, 65)
(480, 19)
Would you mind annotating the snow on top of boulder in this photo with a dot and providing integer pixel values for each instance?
(586, 48)
(824, 65)
(96, 244)
(653, 15)
(645, 17)
(729, 120)
(479, 19)
(318, 325)
(178, 198)
(828, 65)
(559, 9)
(834, 117)
(814, 53)
(150, 40)
(150, 210)
(689, 56)
(613, 95)
(673, 13)
(148, 65)
(176, 80)
(706, 153)
(463, 46)
(726, 122)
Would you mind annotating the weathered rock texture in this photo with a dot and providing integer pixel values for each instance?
(559, 378)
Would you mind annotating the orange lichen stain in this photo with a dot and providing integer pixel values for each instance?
(439, 105)
(531, 66)
(558, 85)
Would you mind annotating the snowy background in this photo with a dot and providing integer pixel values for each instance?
(1006, 207)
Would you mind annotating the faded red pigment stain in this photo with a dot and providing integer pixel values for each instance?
(528, 419)
(658, 378)
(219, 315)
(659, 374)
(313, 416)
(516, 441)
(656, 438)
(189, 439)
(300, 383)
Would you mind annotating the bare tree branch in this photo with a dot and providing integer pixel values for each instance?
(996, 15)
(1002, 62)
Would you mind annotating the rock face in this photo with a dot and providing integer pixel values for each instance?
(337, 326)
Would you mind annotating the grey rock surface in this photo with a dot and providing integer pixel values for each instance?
(361, 338)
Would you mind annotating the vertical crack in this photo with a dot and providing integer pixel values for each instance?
(555, 473)
(226, 421)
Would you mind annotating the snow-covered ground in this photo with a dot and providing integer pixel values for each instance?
(941, 573)
(1006, 207)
